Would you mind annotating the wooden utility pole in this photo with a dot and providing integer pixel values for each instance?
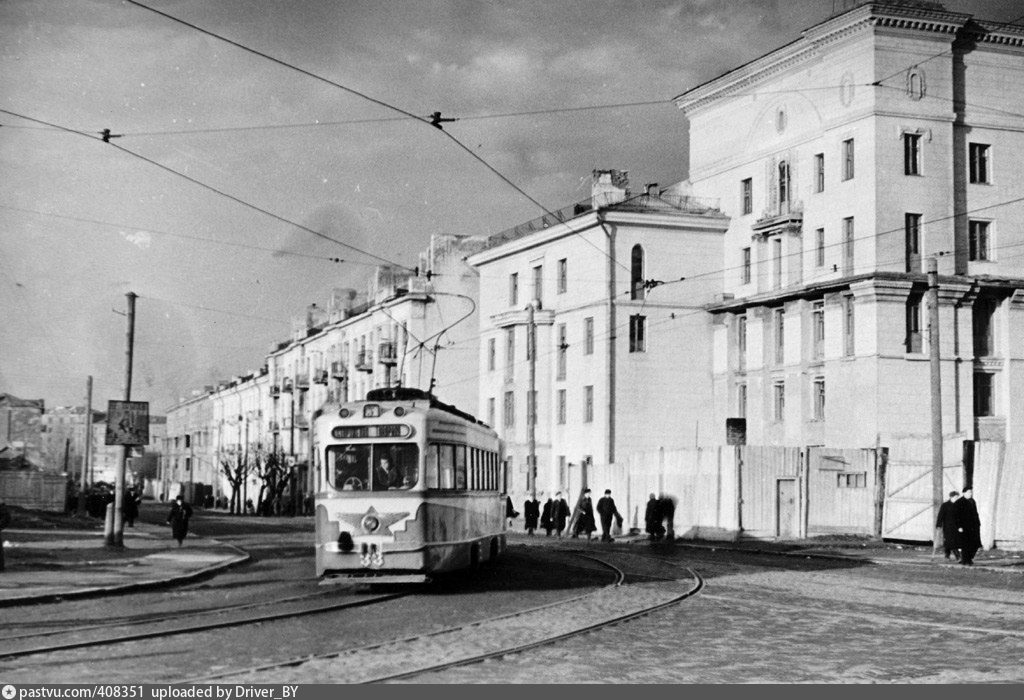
(936, 383)
(116, 537)
(88, 446)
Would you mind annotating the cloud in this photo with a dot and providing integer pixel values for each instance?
(141, 239)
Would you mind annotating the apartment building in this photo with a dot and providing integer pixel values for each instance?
(884, 136)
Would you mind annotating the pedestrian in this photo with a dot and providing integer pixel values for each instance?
(5, 520)
(547, 520)
(652, 519)
(510, 510)
(178, 519)
(607, 511)
(131, 507)
(968, 527)
(560, 513)
(584, 516)
(947, 523)
(531, 513)
(667, 508)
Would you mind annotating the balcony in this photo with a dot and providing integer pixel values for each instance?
(320, 376)
(286, 386)
(387, 354)
(364, 361)
(274, 426)
(275, 391)
(302, 382)
(300, 422)
(339, 370)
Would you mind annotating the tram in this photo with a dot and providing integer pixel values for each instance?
(410, 487)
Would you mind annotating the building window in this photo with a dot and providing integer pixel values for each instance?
(747, 195)
(848, 159)
(848, 245)
(778, 401)
(563, 276)
(746, 266)
(588, 404)
(561, 406)
(636, 276)
(777, 263)
(783, 187)
(848, 327)
(492, 353)
(979, 163)
(984, 397)
(912, 234)
(978, 239)
(741, 341)
(741, 400)
(913, 341)
(538, 282)
(490, 411)
(588, 335)
(510, 348)
(563, 346)
(852, 480)
(510, 409)
(779, 328)
(819, 247)
(637, 333)
(819, 398)
(911, 154)
(983, 315)
(513, 289)
(819, 172)
(818, 330)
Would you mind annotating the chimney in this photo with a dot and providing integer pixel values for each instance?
(609, 187)
(651, 189)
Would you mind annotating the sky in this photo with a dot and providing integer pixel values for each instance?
(83, 223)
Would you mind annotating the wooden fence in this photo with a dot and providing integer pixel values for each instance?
(34, 490)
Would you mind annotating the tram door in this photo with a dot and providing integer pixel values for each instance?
(786, 507)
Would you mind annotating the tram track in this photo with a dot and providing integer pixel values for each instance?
(179, 629)
(483, 639)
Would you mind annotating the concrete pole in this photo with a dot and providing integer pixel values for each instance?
(116, 536)
(88, 446)
(936, 383)
(531, 397)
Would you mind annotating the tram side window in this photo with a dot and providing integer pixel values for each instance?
(350, 466)
(447, 463)
(430, 467)
(460, 466)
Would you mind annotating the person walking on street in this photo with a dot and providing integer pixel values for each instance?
(607, 510)
(5, 520)
(531, 513)
(510, 511)
(560, 513)
(131, 507)
(652, 519)
(968, 527)
(947, 522)
(178, 519)
(546, 520)
(667, 509)
(585, 517)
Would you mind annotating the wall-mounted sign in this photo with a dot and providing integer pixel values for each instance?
(127, 423)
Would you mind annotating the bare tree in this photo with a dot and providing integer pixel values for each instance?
(235, 469)
(273, 473)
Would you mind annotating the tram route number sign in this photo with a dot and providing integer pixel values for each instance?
(127, 423)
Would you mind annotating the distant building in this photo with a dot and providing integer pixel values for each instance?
(21, 432)
(64, 439)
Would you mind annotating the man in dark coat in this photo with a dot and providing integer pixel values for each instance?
(947, 521)
(969, 527)
(667, 507)
(178, 519)
(131, 507)
(531, 513)
(546, 520)
(560, 513)
(607, 510)
(584, 516)
(652, 519)
(510, 511)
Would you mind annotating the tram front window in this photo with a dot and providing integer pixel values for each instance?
(379, 467)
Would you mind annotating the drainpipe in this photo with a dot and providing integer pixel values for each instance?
(610, 235)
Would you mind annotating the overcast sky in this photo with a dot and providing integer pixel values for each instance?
(82, 223)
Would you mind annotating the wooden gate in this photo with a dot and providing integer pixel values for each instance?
(761, 469)
(907, 514)
(841, 491)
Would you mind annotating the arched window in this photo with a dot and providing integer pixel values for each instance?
(636, 285)
(783, 186)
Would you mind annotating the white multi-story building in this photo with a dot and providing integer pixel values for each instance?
(883, 136)
(615, 287)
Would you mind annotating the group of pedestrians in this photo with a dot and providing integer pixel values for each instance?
(961, 527)
(555, 515)
(552, 516)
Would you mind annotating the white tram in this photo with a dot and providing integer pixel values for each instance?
(409, 487)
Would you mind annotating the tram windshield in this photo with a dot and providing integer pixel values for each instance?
(373, 467)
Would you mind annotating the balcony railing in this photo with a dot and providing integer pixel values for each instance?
(275, 427)
(300, 422)
(320, 376)
(286, 386)
(302, 381)
(339, 370)
(275, 391)
(387, 354)
(364, 361)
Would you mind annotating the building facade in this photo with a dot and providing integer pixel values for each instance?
(882, 137)
(614, 289)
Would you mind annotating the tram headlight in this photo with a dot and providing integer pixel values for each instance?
(371, 523)
(399, 411)
(344, 413)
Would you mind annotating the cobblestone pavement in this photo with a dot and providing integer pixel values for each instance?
(757, 621)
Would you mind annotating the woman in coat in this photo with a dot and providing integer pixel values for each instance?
(585, 521)
(531, 513)
(546, 520)
(560, 514)
(178, 519)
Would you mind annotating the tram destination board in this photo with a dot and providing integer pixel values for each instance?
(347, 432)
(127, 423)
